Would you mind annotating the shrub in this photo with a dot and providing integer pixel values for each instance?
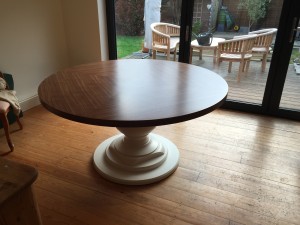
(196, 27)
(256, 9)
(129, 17)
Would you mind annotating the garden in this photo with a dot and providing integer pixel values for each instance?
(246, 14)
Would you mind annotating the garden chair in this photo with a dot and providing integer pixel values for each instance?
(236, 50)
(262, 44)
(7, 116)
(165, 38)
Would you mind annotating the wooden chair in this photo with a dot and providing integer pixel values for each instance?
(262, 44)
(236, 50)
(6, 114)
(165, 38)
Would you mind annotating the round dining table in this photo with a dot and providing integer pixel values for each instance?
(135, 96)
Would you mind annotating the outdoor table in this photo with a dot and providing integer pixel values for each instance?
(135, 96)
(200, 48)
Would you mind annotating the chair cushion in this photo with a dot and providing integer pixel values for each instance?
(4, 106)
(235, 56)
(173, 42)
(261, 49)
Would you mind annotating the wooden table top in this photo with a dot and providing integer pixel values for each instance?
(133, 92)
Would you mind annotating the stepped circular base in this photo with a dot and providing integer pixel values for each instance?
(147, 168)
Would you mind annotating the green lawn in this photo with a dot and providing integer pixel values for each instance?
(126, 45)
(295, 55)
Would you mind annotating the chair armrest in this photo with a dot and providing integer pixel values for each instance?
(166, 29)
(158, 39)
(267, 30)
(239, 38)
(160, 34)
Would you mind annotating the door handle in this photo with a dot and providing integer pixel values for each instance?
(294, 29)
(187, 33)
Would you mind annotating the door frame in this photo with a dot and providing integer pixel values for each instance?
(111, 29)
(186, 21)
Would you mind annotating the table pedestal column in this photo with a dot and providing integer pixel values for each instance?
(136, 157)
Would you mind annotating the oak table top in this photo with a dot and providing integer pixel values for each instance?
(133, 93)
(134, 96)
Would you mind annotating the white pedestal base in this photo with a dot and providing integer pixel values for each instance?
(136, 157)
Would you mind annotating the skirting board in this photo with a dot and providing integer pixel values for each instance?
(30, 103)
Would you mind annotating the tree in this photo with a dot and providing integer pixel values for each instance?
(256, 9)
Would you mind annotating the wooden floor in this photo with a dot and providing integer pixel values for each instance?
(235, 168)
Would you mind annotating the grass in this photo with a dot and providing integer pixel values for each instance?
(126, 45)
(295, 55)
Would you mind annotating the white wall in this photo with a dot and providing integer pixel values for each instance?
(82, 30)
(32, 42)
(39, 37)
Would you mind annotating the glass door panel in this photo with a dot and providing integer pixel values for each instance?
(129, 21)
(290, 98)
(225, 20)
(133, 32)
(258, 87)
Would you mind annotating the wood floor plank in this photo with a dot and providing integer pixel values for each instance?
(209, 192)
(93, 207)
(183, 213)
(214, 207)
(133, 206)
(235, 168)
(51, 217)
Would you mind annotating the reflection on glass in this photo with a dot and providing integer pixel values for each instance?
(228, 21)
(133, 21)
(290, 98)
(129, 26)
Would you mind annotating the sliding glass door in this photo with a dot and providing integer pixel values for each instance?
(267, 84)
(133, 19)
(290, 98)
(226, 20)
(271, 83)
(283, 96)
(130, 34)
